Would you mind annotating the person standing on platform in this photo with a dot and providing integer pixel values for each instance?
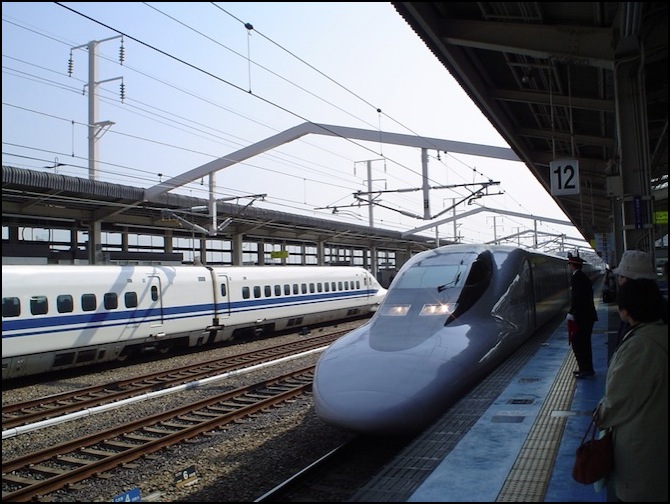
(635, 404)
(609, 286)
(581, 317)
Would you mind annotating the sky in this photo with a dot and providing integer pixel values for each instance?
(203, 80)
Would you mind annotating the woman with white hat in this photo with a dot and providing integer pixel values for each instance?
(634, 265)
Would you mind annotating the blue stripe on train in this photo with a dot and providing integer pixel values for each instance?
(95, 320)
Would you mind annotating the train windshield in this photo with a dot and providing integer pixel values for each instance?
(439, 277)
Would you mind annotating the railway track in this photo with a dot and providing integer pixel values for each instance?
(35, 475)
(45, 408)
(336, 475)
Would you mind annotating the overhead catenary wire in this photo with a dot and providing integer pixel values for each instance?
(288, 203)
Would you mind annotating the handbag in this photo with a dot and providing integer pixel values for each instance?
(572, 330)
(594, 458)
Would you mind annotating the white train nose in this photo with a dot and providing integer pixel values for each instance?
(370, 412)
(366, 390)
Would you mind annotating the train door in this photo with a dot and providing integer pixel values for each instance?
(366, 284)
(221, 313)
(222, 296)
(156, 301)
(529, 273)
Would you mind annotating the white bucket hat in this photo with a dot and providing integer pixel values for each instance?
(635, 264)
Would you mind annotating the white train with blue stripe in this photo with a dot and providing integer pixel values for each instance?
(61, 316)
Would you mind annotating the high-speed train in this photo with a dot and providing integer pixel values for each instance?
(450, 316)
(61, 316)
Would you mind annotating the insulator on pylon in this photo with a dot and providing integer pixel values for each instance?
(122, 52)
(123, 91)
(70, 66)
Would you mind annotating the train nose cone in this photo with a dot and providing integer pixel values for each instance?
(370, 412)
(368, 391)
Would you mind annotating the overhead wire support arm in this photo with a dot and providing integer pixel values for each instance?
(473, 196)
(170, 215)
(403, 212)
(479, 193)
(335, 208)
(414, 189)
(215, 227)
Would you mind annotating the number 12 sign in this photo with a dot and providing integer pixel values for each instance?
(564, 177)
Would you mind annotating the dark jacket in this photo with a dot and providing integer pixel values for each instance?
(582, 307)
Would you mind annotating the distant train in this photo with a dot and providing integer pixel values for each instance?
(61, 316)
(450, 316)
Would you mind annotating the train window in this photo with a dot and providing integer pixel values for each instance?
(88, 302)
(346, 285)
(11, 307)
(277, 290)
(130, 299)
(319, 287)
(339, 286)
(332, 286)
(111, 301)
(439, 277)
(64, 303)
(287, 289)
(311, 288)
(304, 288)
(154, 293)
(326, 286)
(39, 305)
(257, 291)
(246, 293)
(268, 290)
(223, 290)
(480, 271)
(358, 284)
(295, 289)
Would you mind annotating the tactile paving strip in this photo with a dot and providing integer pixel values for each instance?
(528, 479)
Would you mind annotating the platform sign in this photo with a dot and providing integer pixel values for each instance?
(564, 175)
(604, 246)
(130, 496)
(185, 476)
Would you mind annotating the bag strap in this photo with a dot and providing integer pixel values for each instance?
(592, 429)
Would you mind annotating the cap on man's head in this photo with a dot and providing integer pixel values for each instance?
(575, 259)
(635, 264)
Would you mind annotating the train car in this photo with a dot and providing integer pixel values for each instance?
(61, 316)
(450, 316)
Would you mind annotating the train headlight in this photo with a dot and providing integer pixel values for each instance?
(396, 310)
(438, 309)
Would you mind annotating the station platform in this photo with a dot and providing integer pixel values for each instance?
(513, 438)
